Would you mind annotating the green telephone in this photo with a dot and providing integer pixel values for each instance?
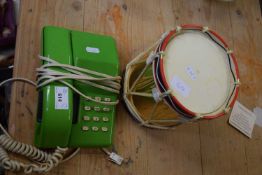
(66, 119)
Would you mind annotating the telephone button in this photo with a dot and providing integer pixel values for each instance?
(107, 99)
(98, 98)
(87, 108)
(94, 128)
(85, 128)
(96, 108)
(106, 109)
(86, 118)
(105, 119)
(96, 119)
(104, 129)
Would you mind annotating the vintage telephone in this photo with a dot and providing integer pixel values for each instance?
(78, 86)
(65, 118)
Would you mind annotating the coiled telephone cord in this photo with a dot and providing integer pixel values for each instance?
(42, 161)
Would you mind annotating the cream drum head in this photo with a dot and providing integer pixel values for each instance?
(190, 70)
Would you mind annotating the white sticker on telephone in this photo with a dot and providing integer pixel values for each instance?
(92, 49)
(61, 97)
(180, 86)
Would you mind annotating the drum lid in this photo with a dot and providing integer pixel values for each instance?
(197, 71)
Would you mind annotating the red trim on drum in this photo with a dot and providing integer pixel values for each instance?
(215, 116)
(167, 38)
(236, 65)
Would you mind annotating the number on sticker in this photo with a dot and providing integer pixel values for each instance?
(191, 72)
(180, 86)
(61, 97)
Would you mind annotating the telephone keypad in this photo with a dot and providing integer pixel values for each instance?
(97, 117)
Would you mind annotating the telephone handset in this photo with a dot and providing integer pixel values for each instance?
(66, 119)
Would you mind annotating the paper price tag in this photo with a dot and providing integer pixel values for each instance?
(242, 119)
(61, 97)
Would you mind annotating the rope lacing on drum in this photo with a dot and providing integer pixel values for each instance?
(197, 116)
(205, 29)
(227, 109)
(152, 56)
(161, 54)
(178, 29)
(237, 82)
(159, 96)
(163, 36)
(166, 93)
(229, 51)
(156, 93)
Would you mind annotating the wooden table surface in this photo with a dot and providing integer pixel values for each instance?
(206, 147)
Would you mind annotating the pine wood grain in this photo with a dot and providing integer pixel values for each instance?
(247, 23)
(204, 148)
(221, 145)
